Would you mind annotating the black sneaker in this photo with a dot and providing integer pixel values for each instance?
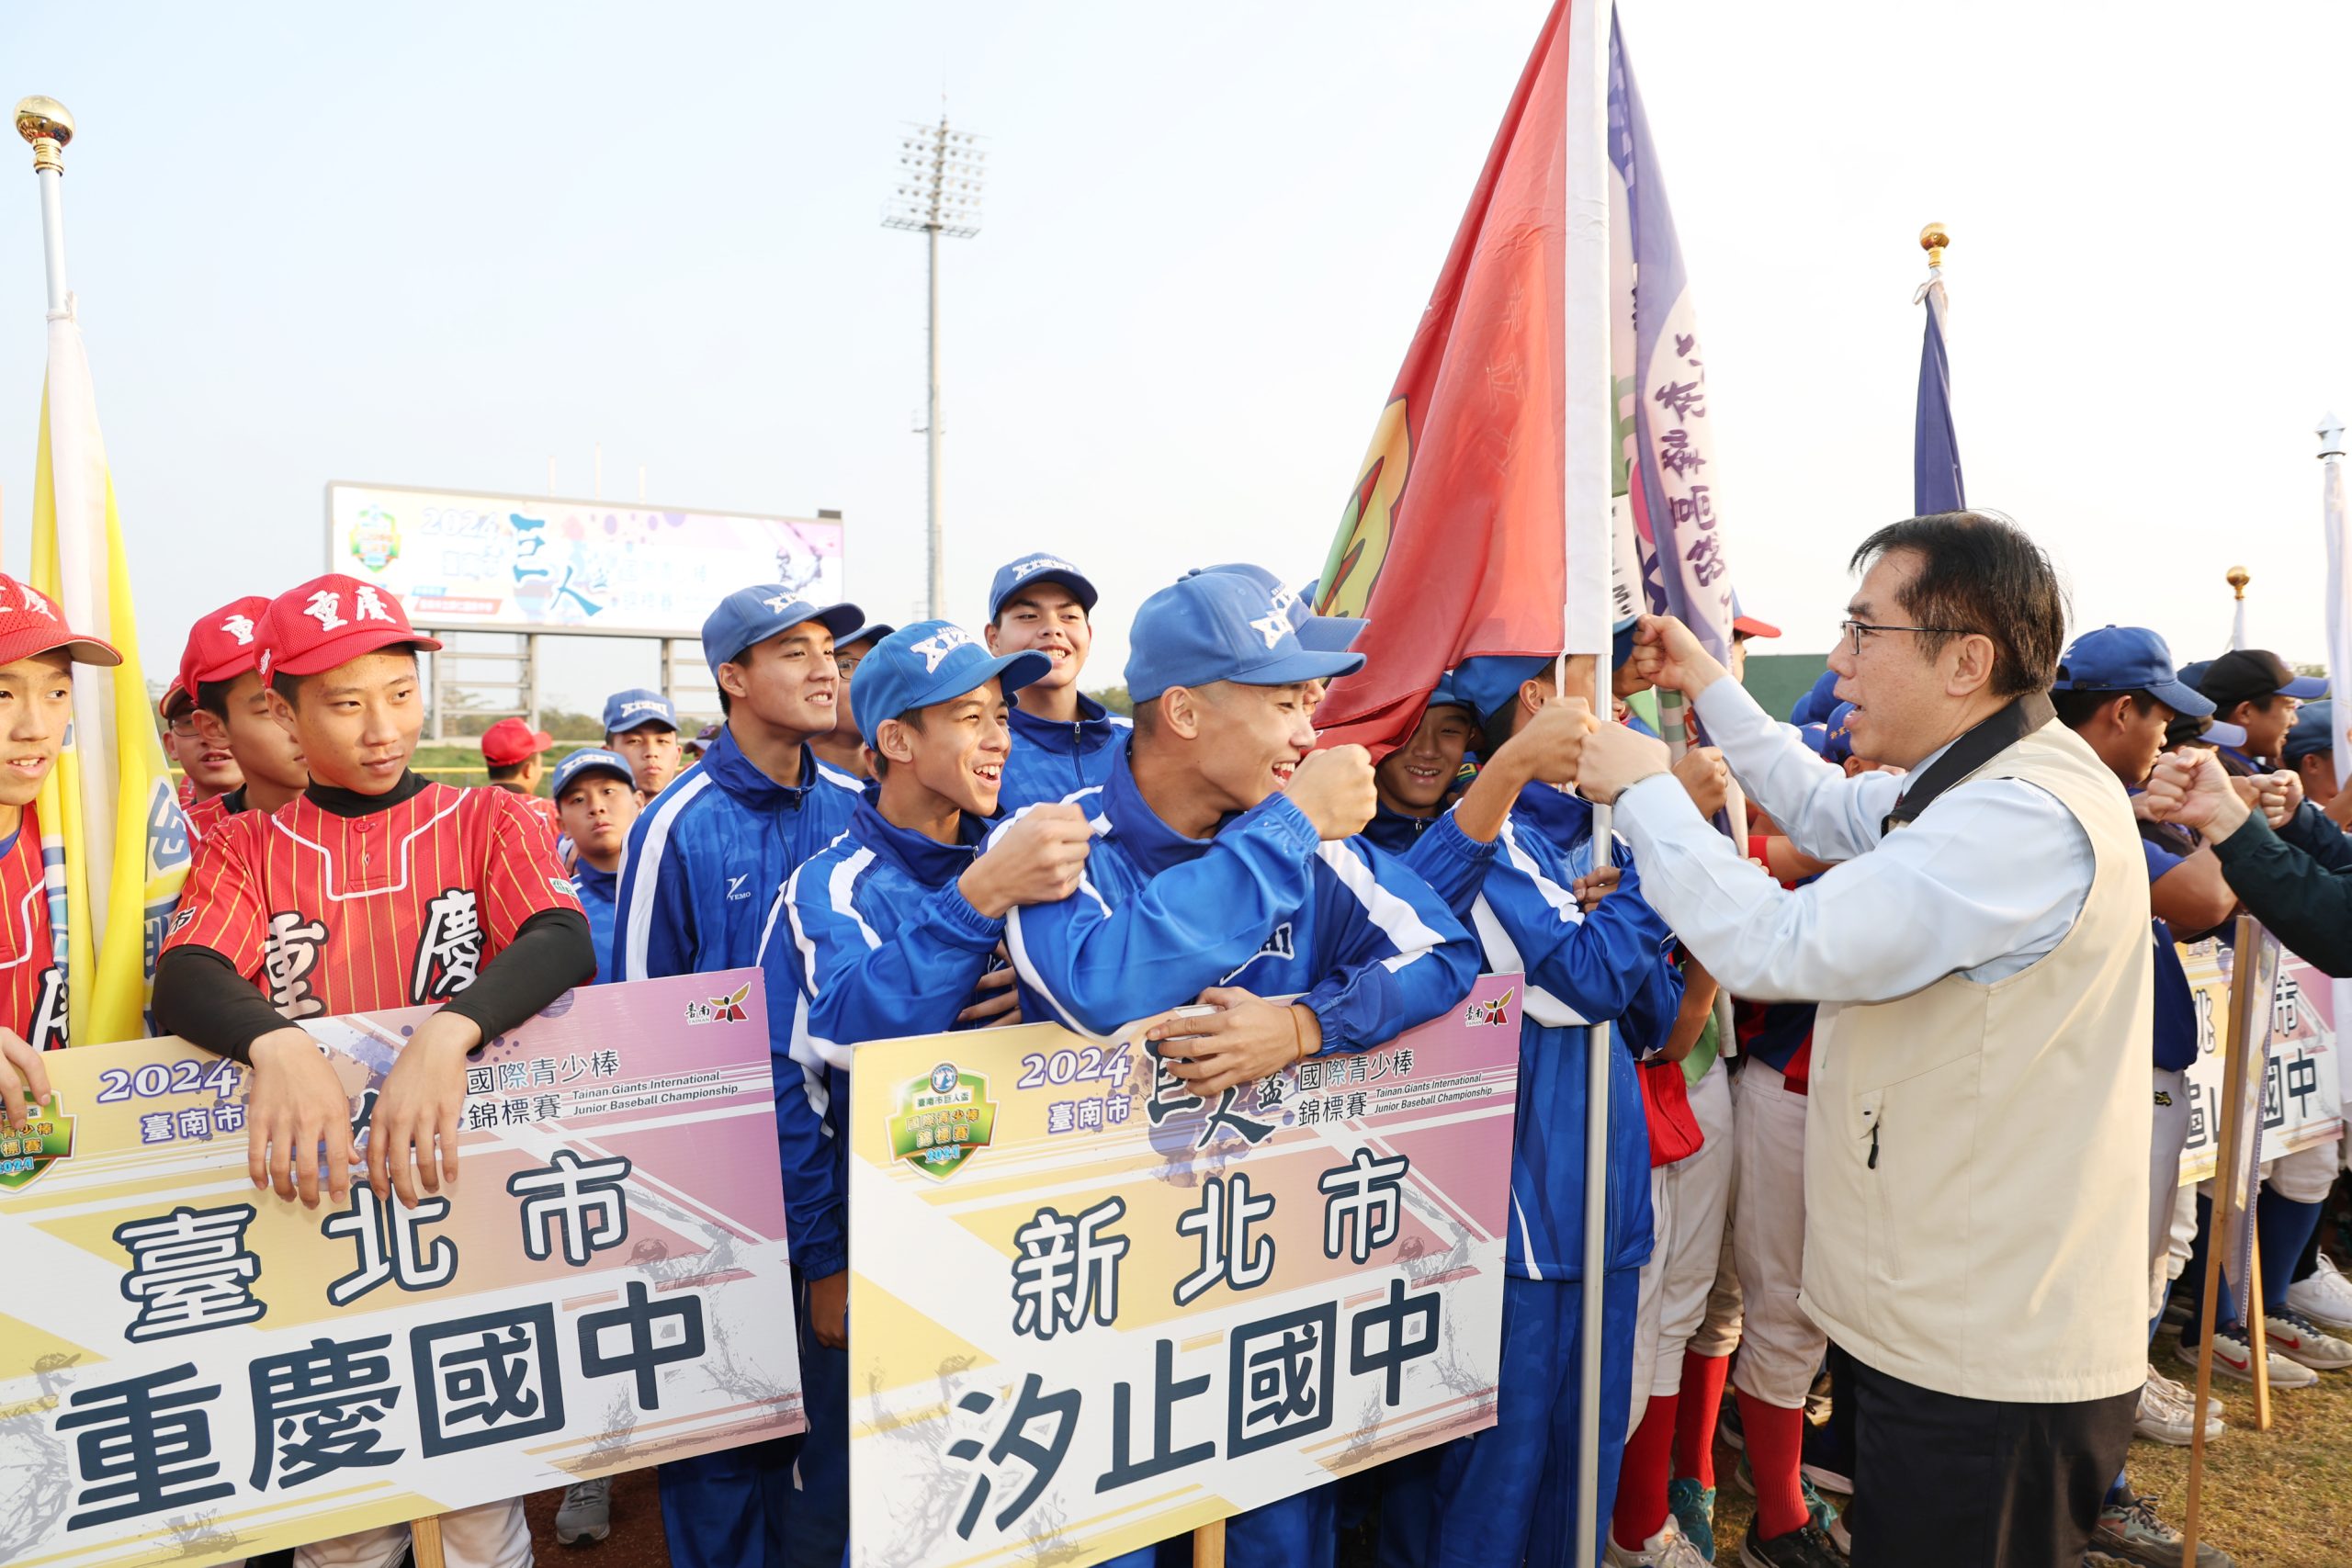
(1728, 1429)
(1806, 1547)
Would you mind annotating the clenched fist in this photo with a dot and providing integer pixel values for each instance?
(1334, 789)
(1036, 859)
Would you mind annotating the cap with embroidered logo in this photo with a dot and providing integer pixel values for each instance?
(934, 661)
(1038, 567)
(223, 645)
(588, 759)
(1317, 634)
(636, 708)
(333, 620)
(1215, 627)
(30, 623)
(749, 616)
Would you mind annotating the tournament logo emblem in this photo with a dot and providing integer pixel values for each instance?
(943, 1120)
(1496, 1011)
(375, 539)
(728, 1009)
(27, 1150)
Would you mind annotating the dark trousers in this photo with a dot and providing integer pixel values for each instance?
(1942, 1482)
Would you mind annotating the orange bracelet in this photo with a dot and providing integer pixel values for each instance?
(1299, 1035)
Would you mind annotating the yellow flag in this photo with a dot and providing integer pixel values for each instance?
(112, 836)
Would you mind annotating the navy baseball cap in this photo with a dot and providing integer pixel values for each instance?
(2313, 730)
(933, 661)
(1317, 634)
(1218, 625)
(752, 616)
(1039, 567)
(1815, 706)
(636, 708)
(1837, 733)
(590, 759)
(2252, 674)
(2128, 658)
(873, 631)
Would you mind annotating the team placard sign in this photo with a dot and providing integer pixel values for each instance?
(193, 1370)
(2303, 1086)
(1090, 1311)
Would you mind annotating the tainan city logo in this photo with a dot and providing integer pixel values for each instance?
(941, 1120)
(728, 1009)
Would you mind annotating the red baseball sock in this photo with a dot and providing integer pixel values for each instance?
(1641, 1481)
(1694, 1419)
(1775, 1453)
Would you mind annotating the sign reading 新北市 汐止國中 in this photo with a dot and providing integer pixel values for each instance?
(2303, 1088)
(1090, 1311)
(195, 1370)
(524, 563)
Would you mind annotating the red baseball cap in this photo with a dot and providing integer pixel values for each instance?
(1749, 625)
(333, 620)
(31, 623)
(509, 740)
(175, 701)
(224, 644)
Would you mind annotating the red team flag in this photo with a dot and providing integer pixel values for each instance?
(1454, 542)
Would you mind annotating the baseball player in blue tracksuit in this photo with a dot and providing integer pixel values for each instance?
(888, 931)
(598, 888)
(1062, 738)
(1209, 869)
(705, 861)
(1509, 1492)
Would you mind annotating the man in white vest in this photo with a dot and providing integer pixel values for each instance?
(1976, 1181)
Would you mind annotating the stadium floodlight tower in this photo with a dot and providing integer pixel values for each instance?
(938, 192)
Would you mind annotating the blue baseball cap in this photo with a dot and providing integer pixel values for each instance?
(933, 661)
(1219, 626)
(636, 708)
(1443, 696)
(2313, 730)
(1838, 734)
(1038, 567)
(1317, 634)
(1487, 683)
(590, 759)
(1815, 706)
(2128, 658)
(873, 631)
(752, 616)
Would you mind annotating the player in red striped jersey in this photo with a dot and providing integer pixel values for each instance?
(37, 658)
(221, 669)
(372, 889)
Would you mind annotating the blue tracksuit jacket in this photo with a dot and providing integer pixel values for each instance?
(1611, 964)
(1052, 760)
(1264, 905)
(705, 861)
(598, 891)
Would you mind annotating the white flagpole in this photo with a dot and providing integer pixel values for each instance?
(2338, 527)
(1588, 414)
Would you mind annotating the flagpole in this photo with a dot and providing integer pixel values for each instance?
(2238, 577)
(1587, 452)
(48, 126)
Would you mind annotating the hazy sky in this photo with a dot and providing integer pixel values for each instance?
(432, 248)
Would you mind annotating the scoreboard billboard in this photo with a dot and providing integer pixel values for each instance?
(534, 563)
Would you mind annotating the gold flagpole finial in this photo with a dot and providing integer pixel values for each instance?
(48, 126)
(2239, 578)
(1932, 240)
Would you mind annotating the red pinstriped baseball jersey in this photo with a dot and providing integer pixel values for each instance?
(329, 914)
(204, 816)
(540, 806)
(32, 996)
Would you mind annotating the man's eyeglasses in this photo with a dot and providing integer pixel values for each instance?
(1854, 630)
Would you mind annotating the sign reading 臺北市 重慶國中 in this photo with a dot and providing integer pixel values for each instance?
(524, 563)
(1090, 1310)
(2302, 1086)
(195, 1370)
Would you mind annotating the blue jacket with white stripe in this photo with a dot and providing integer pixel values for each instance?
(1263, 905)
(1611, 964)
(880, 942)
(705, 861)
(598, 891)
(1053, 761)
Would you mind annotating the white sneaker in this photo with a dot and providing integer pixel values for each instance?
(2181, 1395)
(2326, 1298)
(1668, 1549)
(2234, 1358)
(2300, 1339)
(2163, 1419)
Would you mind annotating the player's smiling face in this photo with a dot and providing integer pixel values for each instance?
(36, 700)
(957, 752)
(356, 725)
(1414, 777)
(1251, 738)
(788, 682)
(1047, 617)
